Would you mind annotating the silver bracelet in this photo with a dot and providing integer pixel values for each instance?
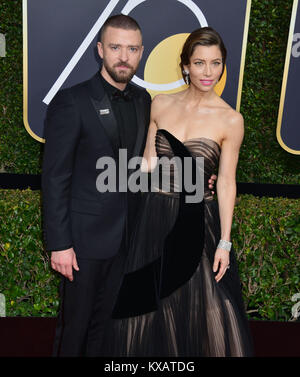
(225, 245)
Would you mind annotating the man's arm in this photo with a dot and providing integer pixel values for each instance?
(62, 129)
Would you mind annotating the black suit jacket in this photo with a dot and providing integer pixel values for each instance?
(77, 135)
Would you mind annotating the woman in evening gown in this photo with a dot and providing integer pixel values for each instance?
(180, 293)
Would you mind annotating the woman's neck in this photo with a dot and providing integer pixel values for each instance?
(197, 96)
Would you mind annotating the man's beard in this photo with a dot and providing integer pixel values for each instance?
(121, 77)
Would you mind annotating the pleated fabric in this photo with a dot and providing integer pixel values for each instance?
(169, 303)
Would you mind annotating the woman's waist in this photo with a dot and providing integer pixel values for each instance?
(176, 192)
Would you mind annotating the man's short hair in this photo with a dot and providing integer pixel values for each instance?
(120, 21)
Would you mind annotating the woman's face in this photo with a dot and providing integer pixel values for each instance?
(205, 67)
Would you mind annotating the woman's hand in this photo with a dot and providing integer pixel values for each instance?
(221, 262)
(211, 183)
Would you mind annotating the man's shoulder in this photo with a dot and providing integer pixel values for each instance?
(83, 85)
(73, 92)
(77, 88)
(70, 90)
(140, 92)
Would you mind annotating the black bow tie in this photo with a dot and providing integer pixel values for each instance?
(126, 95)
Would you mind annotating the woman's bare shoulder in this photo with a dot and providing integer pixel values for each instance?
(235, 121)
(230, 115)
(163, 99)
(161, 103)
(232, 123)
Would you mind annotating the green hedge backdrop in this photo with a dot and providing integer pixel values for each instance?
(265, 231)
(265, 236)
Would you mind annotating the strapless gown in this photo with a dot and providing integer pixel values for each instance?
(169, 303)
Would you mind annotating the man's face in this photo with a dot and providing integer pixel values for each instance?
(121, 51)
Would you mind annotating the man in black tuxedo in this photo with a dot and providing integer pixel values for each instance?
(87, 230)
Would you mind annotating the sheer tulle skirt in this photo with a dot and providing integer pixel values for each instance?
(199, 318)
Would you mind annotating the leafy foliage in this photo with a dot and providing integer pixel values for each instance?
(19, 152)
(265, 231)
(265, 235)
(261, 158)
(26, 280)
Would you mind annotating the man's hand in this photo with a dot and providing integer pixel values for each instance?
(211, 182)
(64, 261)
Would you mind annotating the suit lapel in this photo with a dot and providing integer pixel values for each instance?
(141, 125)
(103, 109)
(108, 121)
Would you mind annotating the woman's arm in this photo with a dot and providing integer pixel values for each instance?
(226, 185)
(150, 158)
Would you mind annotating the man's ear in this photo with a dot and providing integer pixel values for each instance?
(100, 49)
(142, 51)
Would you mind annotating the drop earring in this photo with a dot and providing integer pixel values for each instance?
(186, 77)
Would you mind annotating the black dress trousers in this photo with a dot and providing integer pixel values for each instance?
(86, 304)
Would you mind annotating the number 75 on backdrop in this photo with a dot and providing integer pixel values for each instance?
(60, 46)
